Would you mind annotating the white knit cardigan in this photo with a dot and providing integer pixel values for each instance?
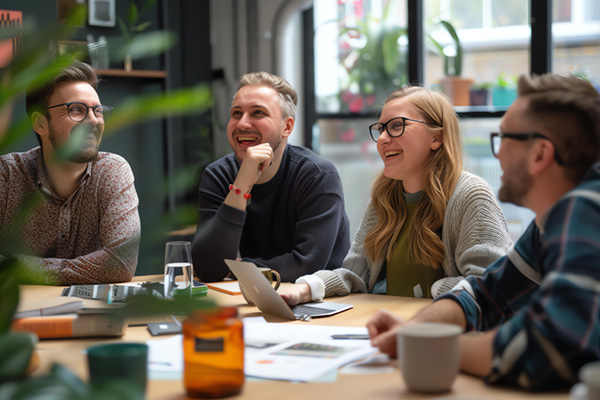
(474, 234)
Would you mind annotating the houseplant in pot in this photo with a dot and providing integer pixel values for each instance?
(479, 93)
(504, 91)
(32, 66)
(374, 62)
(455, 86)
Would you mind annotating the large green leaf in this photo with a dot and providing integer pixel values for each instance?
(132, 14)
(141, 45)
(9, 292)
(459, 52)
(16, 349)
(183, 101)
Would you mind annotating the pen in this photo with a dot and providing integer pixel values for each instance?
(354, 336)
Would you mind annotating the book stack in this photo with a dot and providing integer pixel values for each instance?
(64, 317)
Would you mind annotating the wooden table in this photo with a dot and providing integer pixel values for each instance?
(69, 352)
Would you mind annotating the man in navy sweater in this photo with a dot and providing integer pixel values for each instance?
(277, 205)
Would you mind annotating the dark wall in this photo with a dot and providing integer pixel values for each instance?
(150, 147)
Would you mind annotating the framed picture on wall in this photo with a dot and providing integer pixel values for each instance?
(66, 9)
(75, 49)
(101, 12)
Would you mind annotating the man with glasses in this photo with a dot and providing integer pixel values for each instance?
(538, 307)
(69, 213)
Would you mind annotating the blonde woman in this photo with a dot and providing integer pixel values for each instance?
(429, 223)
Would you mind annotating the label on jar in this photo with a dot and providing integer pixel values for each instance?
(203, 345)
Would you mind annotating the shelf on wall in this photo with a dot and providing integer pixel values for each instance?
(135, 73)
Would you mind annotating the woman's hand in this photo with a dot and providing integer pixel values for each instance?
(296, 294)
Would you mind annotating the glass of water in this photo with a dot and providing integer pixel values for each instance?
(178, 270)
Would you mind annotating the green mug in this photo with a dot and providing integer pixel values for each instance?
(123, 364)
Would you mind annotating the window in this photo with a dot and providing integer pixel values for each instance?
(494, 36)
(360, 52)
(576, 38)
(498, 44)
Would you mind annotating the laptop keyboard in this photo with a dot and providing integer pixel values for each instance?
(307, 310)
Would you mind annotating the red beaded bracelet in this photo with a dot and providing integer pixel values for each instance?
(247, 196)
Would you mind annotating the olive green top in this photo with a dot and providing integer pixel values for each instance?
(474, 234)
(404, 275)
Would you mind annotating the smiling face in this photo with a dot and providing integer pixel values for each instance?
(60, 127)
(406, 157)
(255, 117)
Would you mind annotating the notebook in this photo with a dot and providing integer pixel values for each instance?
(267, 300)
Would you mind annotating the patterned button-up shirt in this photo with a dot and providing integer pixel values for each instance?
(544, 295)
(91, 237)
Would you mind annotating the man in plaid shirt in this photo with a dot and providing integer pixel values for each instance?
(538, 307)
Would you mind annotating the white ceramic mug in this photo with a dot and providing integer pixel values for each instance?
(589, 375)
(428, 356)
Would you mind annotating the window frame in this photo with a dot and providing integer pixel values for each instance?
(540, 62)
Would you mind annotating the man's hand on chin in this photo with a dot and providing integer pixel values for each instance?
(256, 160)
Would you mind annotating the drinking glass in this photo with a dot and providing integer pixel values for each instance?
(178, 270)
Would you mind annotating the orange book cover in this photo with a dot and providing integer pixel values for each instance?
(58, 326)
(228, 287)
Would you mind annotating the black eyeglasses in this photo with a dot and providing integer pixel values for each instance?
(496, 140)
(78, 111)
(394, 127)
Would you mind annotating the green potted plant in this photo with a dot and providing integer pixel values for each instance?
(455, 86)
(133, 26)
(377, 68)
(504, 91)
(33, 65)
(479, 94)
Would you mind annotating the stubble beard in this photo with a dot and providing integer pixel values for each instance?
(85, 155)
(514, 189)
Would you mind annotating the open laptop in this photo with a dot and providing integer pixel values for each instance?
(267, 300)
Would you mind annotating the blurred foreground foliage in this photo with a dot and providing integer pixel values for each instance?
(34, 64)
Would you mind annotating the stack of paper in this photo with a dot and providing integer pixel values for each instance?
(274, 351)
(299, 352)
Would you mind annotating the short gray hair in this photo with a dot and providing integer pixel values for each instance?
(287, 93)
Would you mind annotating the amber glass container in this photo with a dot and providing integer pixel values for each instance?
(213, 349)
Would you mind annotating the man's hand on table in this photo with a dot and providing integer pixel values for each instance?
(382, 328)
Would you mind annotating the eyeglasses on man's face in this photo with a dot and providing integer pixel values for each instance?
(79, 111)
(394, 127)
(496, 141)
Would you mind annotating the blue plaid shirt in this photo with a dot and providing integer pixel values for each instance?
(544, 295)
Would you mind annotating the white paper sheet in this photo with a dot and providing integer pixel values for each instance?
(304, 361)
(259, 334)
(165, 356)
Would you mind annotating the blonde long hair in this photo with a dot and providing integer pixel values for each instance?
(441, 174)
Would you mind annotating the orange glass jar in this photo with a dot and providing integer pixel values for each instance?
(213, 350)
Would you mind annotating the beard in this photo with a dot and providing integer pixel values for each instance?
(78, 147)
(275, 143)
(516, 185)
